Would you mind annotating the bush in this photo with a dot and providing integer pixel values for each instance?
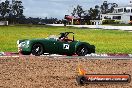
(110, 21)
(117, 21)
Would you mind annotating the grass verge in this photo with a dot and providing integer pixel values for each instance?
(106, 41)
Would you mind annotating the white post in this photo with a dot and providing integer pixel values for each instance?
(7, 23)
(72, 21)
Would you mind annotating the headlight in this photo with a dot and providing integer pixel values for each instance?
(28, 42)
(24, 44)
(18, 42)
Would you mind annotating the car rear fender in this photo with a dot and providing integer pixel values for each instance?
(91, 48)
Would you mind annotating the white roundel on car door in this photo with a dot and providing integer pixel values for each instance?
(66, 46)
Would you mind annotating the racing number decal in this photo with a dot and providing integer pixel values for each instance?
(65, 46)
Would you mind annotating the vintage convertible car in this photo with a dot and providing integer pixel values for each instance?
(55, 45)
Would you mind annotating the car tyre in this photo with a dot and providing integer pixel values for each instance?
(37, 49)
(82, 50)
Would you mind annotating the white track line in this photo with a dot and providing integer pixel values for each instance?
(8, 56)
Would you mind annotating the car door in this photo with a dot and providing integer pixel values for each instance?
(66, 47)
(51, 47)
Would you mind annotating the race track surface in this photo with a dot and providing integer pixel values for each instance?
(54, 72)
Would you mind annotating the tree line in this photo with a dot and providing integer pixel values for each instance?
(94, 13)
(13, 13)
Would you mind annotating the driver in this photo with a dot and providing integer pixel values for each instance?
(62, 36)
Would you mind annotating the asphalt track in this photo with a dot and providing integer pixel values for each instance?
(89, 56)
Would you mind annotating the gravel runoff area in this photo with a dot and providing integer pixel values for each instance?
(46, 72)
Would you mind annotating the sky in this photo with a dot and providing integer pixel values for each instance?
(58, 8)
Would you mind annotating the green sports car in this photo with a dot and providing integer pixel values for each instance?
(55, 45)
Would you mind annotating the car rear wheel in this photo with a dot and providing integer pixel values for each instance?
(82, 50)
(37, 49)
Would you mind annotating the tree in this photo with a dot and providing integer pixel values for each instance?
(107, 7)
(74, 12)
(78, 11)
(94, 13)
(4, 9)
(112, 7)
(96, 7)
(104, 7)
(17, 11)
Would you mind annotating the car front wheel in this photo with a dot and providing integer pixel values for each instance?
(37, 49)
(82, 50)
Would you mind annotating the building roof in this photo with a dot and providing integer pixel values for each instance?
(113, 14)
(71, 17)
(129, 5)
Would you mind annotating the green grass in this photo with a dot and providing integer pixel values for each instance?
(119, 24)
(106, 41)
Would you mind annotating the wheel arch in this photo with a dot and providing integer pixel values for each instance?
(84, 44)
(37, 43)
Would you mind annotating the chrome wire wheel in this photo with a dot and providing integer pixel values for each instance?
(82, 50)
(37, 49)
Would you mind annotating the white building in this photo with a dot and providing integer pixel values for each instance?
(121, 13)
(95, 22)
